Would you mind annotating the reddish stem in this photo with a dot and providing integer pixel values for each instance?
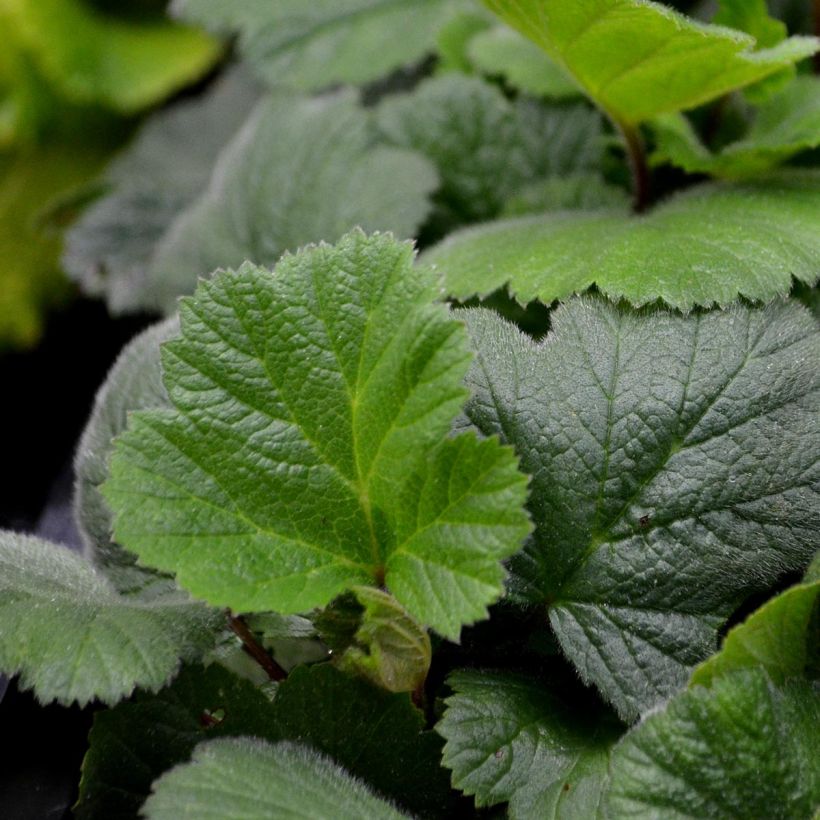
(637, 162)
(255, 649)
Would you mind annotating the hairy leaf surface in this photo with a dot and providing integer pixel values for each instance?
(300, 170)
(675, 471)
(248, 779)
(325, 42)
(637, 59)
(706, 245)
(308, 450)
(510, 739)
(110, 249)
(743, 748)
(72, 637)
(784, 126)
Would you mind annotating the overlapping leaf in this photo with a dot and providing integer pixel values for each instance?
(300, 170)
(325, 42)
(510, 739)
(675, 471)
(110, 249)
(742, 748)
(72, 637)
(308, 453)
(246, 779)
(637, 59)
(706, 245)
(784, 126)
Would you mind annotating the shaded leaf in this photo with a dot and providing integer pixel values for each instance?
(300, 170)
(743, 748)
(325, 42)
(308, 451)
(511, 739)
(707, 245)
(637, 59)
(111, 248)
(247, 779)
(675, 472)
(784, 126)
(71, 637)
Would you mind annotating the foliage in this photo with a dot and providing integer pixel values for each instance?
(524, 527)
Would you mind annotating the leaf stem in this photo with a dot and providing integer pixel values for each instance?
(255, 649)
(636, 152)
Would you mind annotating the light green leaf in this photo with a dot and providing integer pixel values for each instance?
(743, 748)
(779, 637)
(72, 637)
(511, 739)
(707, 245)
(501, 51)
(308, 451)
(675, 471)
(637, 59)
(785, 125)
(300, 170)
(325, 42)
(110, 249)
(124, 65)
(484, 147)
(389, 647)
(246, 779)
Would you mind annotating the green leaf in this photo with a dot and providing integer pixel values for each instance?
(484, 147)
(780, 637)
(124, 65)
(751, 16)
(72, 637)
(134, 383)
(370, 732)
(743, 748)
(316, 45)
(707, 245)
(504, 52)
(124, 757)
(637, 59)
(675, 470)
(300, 170)
(454, 39)
(111, 248)
(388, 647)
(787, 124)
(246, 779)
(511, 739)
(308, 451)
(584, 191)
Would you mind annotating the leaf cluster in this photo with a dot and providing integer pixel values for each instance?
(523, 523)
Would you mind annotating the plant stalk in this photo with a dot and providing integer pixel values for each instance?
(636, 152)
(255, 649)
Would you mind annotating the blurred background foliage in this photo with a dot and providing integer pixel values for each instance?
(75, 75)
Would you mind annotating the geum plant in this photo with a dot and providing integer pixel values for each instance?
(353, 551)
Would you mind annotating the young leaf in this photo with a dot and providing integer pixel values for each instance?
(780, 637)
(637, 59)
(71, 637)
(504, 52)
(371, 733)
(706, 245)
(246, 779)
(95, 59)
(675, 469)
(110, 249)
(785, 125)
(743, 748)
(326, 42)
(389, 647)
(308, 450)
(134, 383)
(511, 739)
(485, 148)
(270, 193)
